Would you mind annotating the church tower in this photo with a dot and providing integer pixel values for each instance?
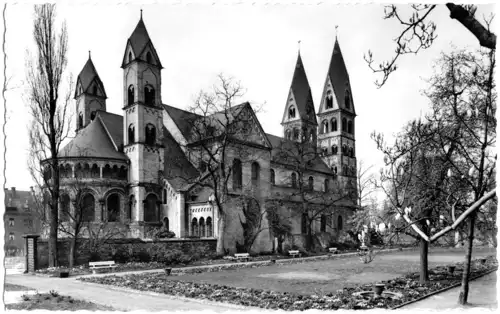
(90, 95)
(299, 119)
(143, 125)
(336, 116)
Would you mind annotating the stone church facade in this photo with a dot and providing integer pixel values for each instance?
(132, 169)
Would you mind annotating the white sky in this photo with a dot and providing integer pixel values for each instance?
(255, 44)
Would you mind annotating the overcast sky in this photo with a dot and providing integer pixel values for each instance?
(255, 44)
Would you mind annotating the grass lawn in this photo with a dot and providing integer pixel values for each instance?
(12, 287)
(53, 302)
(327, 276)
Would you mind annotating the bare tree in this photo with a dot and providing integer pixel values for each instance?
(365, 182)
(419, 32)
(48, 106)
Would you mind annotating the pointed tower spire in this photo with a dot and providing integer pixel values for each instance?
(137, 43)
(87, 78)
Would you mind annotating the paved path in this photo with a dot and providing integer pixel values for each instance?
(119, 299)
(482, 294)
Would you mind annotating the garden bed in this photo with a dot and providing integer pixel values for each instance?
(408, 286)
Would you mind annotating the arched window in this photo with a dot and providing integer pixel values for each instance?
(327, 185)
(303, 224)
(324, 151)
(107, 172)
(164, 196)
(291, 112)
(310, 184)
(335, 170)
(86, 170)
(78, 171)
(194, 227)
(255, 173)
(237, 174)
(130, 95)
(294, 180)
(334, 149)
(94, 90)
(295, 134)
(87, 207)
(64, 210)
(340, 224)
(273, 177)
(130, 57)
(323, 223)
(209, 227)
(115, 174)
(80, 120)
(95, 172)
(334, 125)
(202, 227)
(92, 115)
(149, 95)
(148, 57)
(349, 127)
(329, 100)
(131, 204)
(344, 125)
(151, 208)
(150, 134)
(166, 223)
(113, 207)
(347, 99)
(351, 151)
(131, 134)
(123, 173)
(324, 127)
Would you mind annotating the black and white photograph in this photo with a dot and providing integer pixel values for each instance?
(249, 156)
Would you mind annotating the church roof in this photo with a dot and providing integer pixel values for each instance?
(92, 141)
(139, 40)
(283, 147)
(87, 75)
(337, 72)
(302, 92)
(178, 170)
(113, 124)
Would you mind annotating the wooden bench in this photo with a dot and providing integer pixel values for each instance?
(100, 265)
(294, 253)
(242, 256)
(332, 250)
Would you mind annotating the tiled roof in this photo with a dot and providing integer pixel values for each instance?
(139, 40)
(92, 141)
(114, 125)
(339, 77)
(19, 199)
(302, 92)
(283, 148)
(87, 75)
(179, 172)
(183, 119)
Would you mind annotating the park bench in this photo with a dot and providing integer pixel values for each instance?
(294, 253)
(100, 265)
(242, 256)
(332, 250)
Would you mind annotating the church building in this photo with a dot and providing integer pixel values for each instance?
(138, 171)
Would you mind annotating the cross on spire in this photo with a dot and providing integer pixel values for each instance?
(336, 31)
(299, 44)
(89, 54)
(141, 14)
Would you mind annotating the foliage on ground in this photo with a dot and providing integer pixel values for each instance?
(52, 301)
(408, 286)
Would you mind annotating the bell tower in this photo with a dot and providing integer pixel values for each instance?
(336, 137)
(299, 119)
(90, 95)
(143, 124)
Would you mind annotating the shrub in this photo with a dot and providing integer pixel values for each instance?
(141, 256)
(121, 257)
(94, 257)
(54, 293)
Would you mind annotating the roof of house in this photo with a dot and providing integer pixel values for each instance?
(178, 170)
(284, 152)
(337, 72)
(87, 75)
(113, 124)
(183, 119)
(92, 141)
(302, 92)
(14, 200)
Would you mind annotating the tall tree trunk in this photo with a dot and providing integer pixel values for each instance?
(220, 236)
(53, 216)
(72, 253)
(424, 261)
(464, 291)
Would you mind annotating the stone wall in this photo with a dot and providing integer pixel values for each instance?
(203, 247)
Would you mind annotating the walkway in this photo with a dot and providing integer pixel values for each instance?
(482, 294)
(119, 299)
